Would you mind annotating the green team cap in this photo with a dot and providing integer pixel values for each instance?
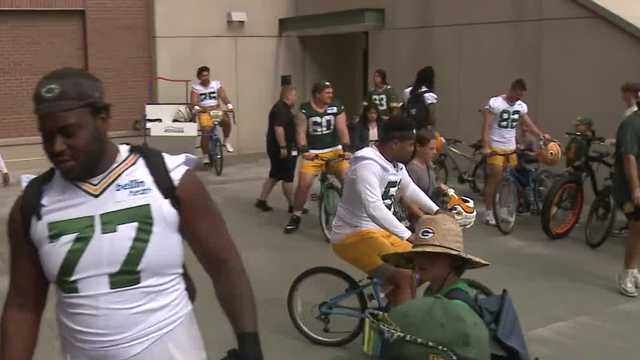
(584, 120)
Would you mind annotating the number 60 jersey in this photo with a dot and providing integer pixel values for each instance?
(505, 121)
(112, 247)
(321, 126)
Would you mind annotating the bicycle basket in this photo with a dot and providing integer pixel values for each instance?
(378, 329)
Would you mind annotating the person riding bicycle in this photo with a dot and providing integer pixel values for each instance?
(578, 146)
(501, 116)
(382, 95)
(364, 227)
(208, 95)
(323, 141)
(438, 256)
(101, 227)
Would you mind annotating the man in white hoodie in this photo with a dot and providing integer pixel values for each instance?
(364, 228)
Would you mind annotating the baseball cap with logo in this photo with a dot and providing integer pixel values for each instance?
(584, 120)
(67, 89)
(435, 234)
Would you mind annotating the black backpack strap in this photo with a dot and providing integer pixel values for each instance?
(158, 169)
(31, 199)
(463, 296)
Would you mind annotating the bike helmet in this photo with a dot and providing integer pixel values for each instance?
(462, 208)
(550, 154)
(440, 142)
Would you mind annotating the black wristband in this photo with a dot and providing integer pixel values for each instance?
(346, 147)
(249, 346)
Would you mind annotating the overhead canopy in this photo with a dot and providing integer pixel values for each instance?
(355, 20)
(624, 13)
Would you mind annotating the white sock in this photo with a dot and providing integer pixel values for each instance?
(629, 272)
(3, 166)
(297, 213)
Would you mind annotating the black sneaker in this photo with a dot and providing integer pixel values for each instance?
(293, 225)
(262, 205)
(305, 211)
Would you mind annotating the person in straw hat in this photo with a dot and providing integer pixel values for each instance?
(438, 256)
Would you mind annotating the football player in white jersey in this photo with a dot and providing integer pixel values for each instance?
(364, 228)
(502, 115)
(208, 95)
(112, 244)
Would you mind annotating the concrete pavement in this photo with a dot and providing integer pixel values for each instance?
(564, 291)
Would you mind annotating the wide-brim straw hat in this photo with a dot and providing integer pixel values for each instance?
(436, 234)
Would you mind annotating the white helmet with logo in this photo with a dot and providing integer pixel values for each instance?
(462, 208)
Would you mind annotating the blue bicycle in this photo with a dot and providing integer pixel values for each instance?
(215, 151)
(329, 307)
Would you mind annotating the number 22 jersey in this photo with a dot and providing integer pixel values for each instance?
(502, 134)
(112, 247)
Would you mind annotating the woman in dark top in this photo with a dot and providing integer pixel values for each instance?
(367, 130)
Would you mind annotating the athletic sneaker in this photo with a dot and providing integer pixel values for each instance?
(489, 219)
(305, 211)
(627, 284)
(262, 205)
(636, 279)
(228, 147)
(293, 224)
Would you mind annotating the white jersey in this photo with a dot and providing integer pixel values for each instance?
(502, 134)
(208, 95)
(113, 249)
(369, 190)
(429, 96)
(633, 108)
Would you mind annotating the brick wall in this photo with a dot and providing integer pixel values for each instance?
(112, 39)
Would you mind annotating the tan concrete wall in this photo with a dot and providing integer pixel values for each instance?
(573, 59)
(248, 59)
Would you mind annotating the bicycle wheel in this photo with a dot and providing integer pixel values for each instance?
(328, 207)
(441, 170)
(479, 176)
(505, 204)
(317, 287)
(602, 215)
(219, 155)
(562, 208)
(542, 182)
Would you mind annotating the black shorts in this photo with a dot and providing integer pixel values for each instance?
(282, 169)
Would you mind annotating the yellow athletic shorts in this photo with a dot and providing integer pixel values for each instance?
(205, 120)
(364, 248)
(316, 166)
(502, 160)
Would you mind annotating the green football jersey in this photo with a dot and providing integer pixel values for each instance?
(384, 98)
(321, 126)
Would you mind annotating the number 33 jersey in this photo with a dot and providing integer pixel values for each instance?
(502, 134)
(112, 247)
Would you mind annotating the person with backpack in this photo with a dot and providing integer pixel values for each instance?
(106, 225)
(451, 313)
(419, 99)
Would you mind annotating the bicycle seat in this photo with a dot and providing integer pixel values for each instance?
(476, 145)
(453, 141)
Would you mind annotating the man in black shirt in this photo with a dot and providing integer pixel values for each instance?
(281, 148)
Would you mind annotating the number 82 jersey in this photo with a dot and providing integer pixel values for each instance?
(505, 122)
(321, 126)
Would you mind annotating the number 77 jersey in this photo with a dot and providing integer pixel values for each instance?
(112, 247)
(506, 117)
